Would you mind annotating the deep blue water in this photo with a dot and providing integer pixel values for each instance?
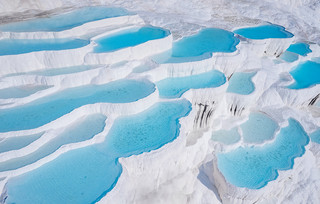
(175, 87)
(300, 48)
(49, 108)
(264, 32)
(253, 167)
(85, 175)
(21, 46)
(64, 21)
(129, 38)
(306, 74)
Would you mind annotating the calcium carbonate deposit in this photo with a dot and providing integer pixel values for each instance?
(135, 101)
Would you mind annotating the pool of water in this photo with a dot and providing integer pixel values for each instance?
(49, 108)
(129, 38)
(175, 87)
(84, 129)
(306, 74)
(21, 46)
(315, 136)
(289, 56)
(241, 83)
(258, 128)
(300, 48)
(226, 136)
(14, 143)
(199, 46)
(20, 91)
(264, 32)
(64, 21)
(256, 166)
(85, 175)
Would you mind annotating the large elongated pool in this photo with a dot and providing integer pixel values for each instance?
(49, 108)
(85, 175)
(264, 32)
(64, 21)
(306, 74)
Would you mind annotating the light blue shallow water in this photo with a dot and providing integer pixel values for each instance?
(129, 38)
(264, 32)
(258, 128)
(21, 46)
(49, 108)
(85, 175)
(14, 143)
(20, 91)
(64, 21)
(241, 83)
(226, 136)
(175, 87)
(305, 75)
(254, 167)
(289, 56)
(84, 129)
(199, 46)
(300, 48)
(315, 136)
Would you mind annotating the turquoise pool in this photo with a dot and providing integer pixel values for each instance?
(21, 46)
(264, 32)
(85, 175)
(241, 83)
(254, 167)
(49, 108)
(226, 136)
(306, 74)
(200, 46)
(300, 48)
(64, 21)
(129, 38)
(15, 143)
(20, 91)
(289, 56)
(175, 87)
(315, 136)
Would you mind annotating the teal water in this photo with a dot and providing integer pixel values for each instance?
(315, 136)
(289, 56)
(175, 87)
(199, 46)
(129, 38)
(264, 32)
(49, 108)
(86, 175)
(14, 143)
(21, 46)
(306, 74)
(226, 136)
(258, 128)
(300, 48)
(241, 83)
(254, 167)
(20, 91)
(85, 129)
(64, 21)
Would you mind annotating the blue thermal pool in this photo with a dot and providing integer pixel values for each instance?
(289, 56)
(20, 91)
(315, 136)
(241, 83)
(305, 75)
(175, 87)
(84, 129)
(49, 108)
(254, 167)
(200, 45)
(300, 48)
(97, 166)
(129, 38)
(264, 32)
(21, 46)
(258, 128)
(64, 21)
(226, 136)
(15, 143)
